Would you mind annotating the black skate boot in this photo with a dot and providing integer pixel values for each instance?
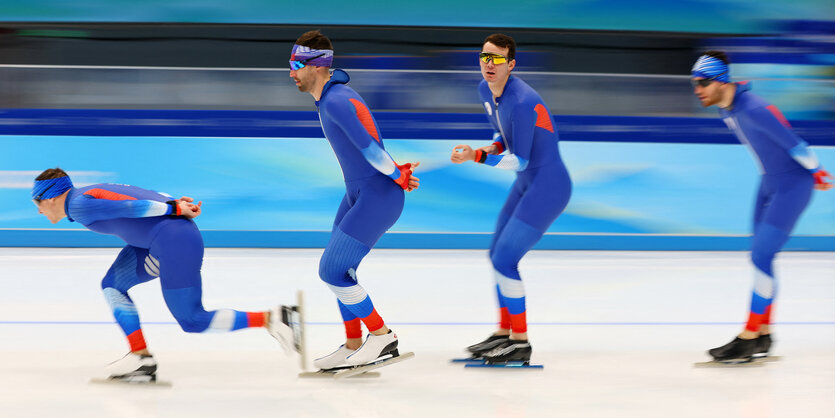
(763, 346)
(736, 351)
(493, 341)
(509, 351)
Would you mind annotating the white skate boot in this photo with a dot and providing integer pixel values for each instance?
(335, 360)
(375, 348)
(133, 368)
(285, 327)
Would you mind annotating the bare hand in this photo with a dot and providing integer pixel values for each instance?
(188, 209)
(490, 149)
(823, 186)
(462, 153)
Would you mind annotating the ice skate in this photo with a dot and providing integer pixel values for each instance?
(762, 351)
(365, 370)
(335, 360)
(478, 349)
(509, 351)
(738, 352)
(493, 341)
(285, 327)
(375, 348)
(762, 346)
(508, 354)
(332, 363)
(377, 351)
(132, 368)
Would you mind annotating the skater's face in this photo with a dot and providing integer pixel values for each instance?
(53, 208)
(304, 77)
(490, 70)
(708, 91)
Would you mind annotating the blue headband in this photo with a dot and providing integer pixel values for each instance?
(310, 56)
(711, 68)
(47, 189)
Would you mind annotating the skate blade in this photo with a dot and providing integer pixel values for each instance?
(507, 365)
(468, 360)
(123, 382)
(728, 364)
(767, 359)
(330, 374)
(302, 343)
(376, 365)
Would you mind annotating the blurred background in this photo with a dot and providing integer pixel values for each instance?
(194, 98)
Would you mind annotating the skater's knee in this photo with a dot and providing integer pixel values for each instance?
(191, 323)
(342, 255)
(113, 282)
(334, 271)
(505, 265)
(191, 319)
(762, 259)
(326, 270)
(107, 281)
(765, 245)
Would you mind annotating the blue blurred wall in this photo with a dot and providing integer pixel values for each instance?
(277, 185)
(730, 16)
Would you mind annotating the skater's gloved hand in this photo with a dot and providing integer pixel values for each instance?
(821, 177)
(407, 181)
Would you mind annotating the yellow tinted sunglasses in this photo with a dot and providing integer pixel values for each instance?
(486, 57)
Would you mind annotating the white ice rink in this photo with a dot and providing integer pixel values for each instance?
(618, 333)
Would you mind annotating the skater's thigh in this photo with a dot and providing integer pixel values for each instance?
(545, 198)
(378, 205)
(508, 208)
(179, 249)
(787, 204)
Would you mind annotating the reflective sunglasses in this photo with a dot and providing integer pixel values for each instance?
(486, 57)
(298, 65)
(704, 82)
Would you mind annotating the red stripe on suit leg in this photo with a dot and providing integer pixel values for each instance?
(504, 318)
(353, 328)
(256, 319)
(137, 341)
(519, 323)
(754, 321)
(767, 315)
(373, 321)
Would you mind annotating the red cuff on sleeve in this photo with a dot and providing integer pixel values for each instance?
(480, 156)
